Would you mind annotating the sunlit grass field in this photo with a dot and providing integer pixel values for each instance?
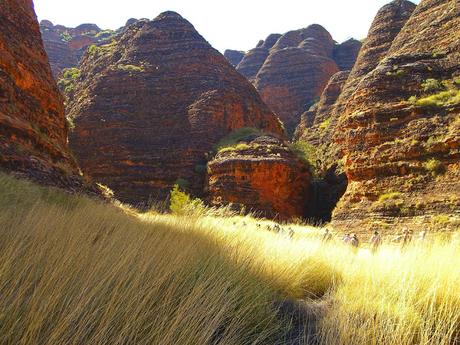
(77, 271)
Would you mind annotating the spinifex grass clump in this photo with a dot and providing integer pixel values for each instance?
(76, 271)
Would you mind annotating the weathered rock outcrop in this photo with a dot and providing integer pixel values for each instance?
(319, 125)
(234, 56)
(346, 53)
(65, 46)
(291, 70)
(252, 62)
(400, 129)
(315, 128)
(315, 125)
(291, 79)
(254, 59)
(33, 132)
(150, 105)
(263, 176)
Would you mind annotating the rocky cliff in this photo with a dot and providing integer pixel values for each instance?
(33, 131)
(261, 175)
(320, 124)
(346, 53)
(151, 104)
(65, 46)
(254, 59)
(234, 56)
(290, 71)
(399, 130)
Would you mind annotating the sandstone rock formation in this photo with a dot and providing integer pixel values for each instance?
(149, 106)
(400, 127)
(346, 53)
(262, 176)
(319, 125)
(65, 46)
(33, 131)
(315, 129)
(253, 61)
(290, 71)
(234, 56)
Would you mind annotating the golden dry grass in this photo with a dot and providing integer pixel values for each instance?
(74, 271)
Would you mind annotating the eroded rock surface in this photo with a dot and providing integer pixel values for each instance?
(319, 125)
(291, 71)
(263, 176)
(400, 128)
(150, 105)
(234, 56)
(33, 131)
(346, 53)
(65, 46)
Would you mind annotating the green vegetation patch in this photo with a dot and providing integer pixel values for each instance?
(325, 124)
(449, 97)
(105, 34)
(181, 203)
(93, 49)
(389, 196)
(131, 68)
(441, 219)
(435, 167)
(66, 36)
(396, 72)
(437, 94)
(68, 80)
(237, 147)
(108, 48)
(71, 73)
(430, 85)
(237, 137)
(306, 153)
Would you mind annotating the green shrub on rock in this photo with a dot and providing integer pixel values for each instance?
(430, 85)
(306, 153)
(435, 167)
(238, 136)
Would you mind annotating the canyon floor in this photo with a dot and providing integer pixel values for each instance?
(78, 271)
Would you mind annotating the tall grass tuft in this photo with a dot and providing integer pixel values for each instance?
(76, 271)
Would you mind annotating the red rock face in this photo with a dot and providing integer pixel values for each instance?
(58, 50)
(346, 53)
(234, 56)
(291, 79)
(290, 71)
(65, 46)
(253, 60)
(33, 133)
(262, 176)
(150, 105)
(316, 124)
(319, 125)
(402, 153)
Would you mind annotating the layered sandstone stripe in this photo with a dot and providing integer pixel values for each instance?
(150, 105)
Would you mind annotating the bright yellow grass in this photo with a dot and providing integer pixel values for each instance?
(73, 271)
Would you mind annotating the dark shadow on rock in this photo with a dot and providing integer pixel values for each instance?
(326, 192)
